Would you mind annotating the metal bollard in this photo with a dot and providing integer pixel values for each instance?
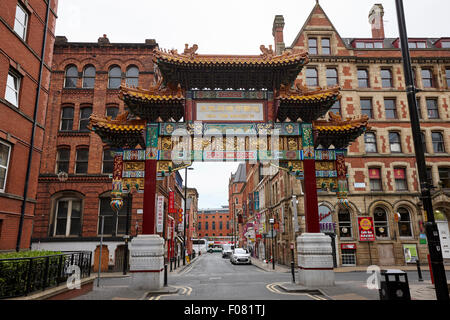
(419, 271)
(165, 275)
(293, 271)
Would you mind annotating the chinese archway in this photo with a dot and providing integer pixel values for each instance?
(228, 108)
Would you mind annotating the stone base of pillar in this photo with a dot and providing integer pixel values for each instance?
(147, 262)
(315, 260)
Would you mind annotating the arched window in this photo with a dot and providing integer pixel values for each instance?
(132, 76)
(89, 77)
(62, 160)
(71, 77)
(404, 223)
(345, 223)
(325, 219)
(68, 217)
(381, 223)
(114, 77)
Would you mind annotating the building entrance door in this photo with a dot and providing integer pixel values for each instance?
(386, 254)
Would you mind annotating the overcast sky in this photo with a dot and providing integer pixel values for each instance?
(232, 27)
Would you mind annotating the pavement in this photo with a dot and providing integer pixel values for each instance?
(424, 290)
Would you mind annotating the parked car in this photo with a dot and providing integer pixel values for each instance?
(240, 256)
(214, 248)
(227, 250)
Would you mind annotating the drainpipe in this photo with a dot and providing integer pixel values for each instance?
(33, 132)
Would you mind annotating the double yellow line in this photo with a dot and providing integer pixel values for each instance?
(181, 292)
(272, 287)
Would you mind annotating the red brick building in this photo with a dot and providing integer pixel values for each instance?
(214, 223)
(381, 164)
(26, 50)
(75, 178)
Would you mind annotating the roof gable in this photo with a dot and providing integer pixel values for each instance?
(319, 22)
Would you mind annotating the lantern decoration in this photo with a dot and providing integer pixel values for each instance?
(116, 204)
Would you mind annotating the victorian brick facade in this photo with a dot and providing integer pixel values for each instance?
(382, 175)
(26, 50)
(75, 178)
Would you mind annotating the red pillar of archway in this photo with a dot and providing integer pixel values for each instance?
(148, 217)
(311, 202)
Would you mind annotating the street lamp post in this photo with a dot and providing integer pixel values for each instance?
(434, 246)
(127, 226)
(271, 221)
(185, 214)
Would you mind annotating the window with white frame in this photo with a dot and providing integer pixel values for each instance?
(114, 78)
(68, 217)
(404, 223)
(370, 141)
(5, 152)
(12, 88)
(71, 77)
(89, 77)
(21, 21)
(132, 76)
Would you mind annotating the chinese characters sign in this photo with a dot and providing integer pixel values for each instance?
(230, 111)
(159, 214)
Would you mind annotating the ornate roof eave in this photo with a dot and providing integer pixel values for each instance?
(301, 102)
(156, 102)
(120, 132)
(229, 71)
(337, 132)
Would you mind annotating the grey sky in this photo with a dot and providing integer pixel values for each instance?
(232, 27)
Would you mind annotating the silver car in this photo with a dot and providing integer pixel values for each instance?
(240, 256)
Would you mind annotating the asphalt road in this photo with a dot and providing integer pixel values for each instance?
(212, 277)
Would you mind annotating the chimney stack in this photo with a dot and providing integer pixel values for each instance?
(277, 32)
(376, 21)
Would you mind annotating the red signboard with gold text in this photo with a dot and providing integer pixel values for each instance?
(172, 202)
(366, 231)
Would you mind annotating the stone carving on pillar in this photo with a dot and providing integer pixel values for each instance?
(315, 260)
(147, 262)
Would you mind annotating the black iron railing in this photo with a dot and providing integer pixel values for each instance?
(22, 276)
